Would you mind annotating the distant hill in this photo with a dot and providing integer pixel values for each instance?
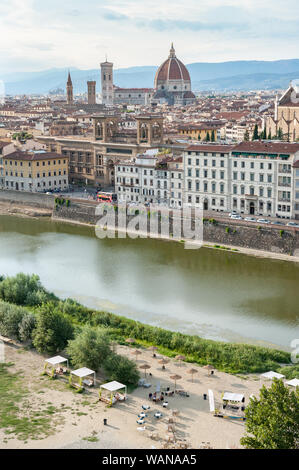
(233, 75)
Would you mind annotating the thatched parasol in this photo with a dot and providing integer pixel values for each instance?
(180, 358)
(136, 352)
(192, 372)
(145, 367)
(153, 348)
(130, 340)
(163, 362)
(175, 377)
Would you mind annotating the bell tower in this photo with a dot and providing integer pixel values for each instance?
(69, 90)
(107, 82)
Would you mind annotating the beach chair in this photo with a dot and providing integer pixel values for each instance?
(147, 385)
(141, 382)
(141, 428)
(158, 387)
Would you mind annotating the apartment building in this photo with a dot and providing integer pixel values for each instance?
(254, 178)
(296, 189)
(150, 180)
(207, 176)
(35, 171)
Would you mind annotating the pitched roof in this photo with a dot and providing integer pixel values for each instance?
(257, 146)
(33, 156)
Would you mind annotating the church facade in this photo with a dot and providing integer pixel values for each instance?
(172, 86)
(286, 116)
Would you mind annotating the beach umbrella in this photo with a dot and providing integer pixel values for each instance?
(130, 340)
(175, 377)
(180, 358)
(145, 367)
(153, 349)
(136, 352)
(163, 362)
(192, 372)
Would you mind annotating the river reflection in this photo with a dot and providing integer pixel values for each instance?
(215, 294)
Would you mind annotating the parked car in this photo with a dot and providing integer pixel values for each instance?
(236, 217)
(250, 219)
(233, 213)
(292, 224)
(277, 222)
(263, 221)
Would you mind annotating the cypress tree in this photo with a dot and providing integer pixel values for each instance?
(255, 133)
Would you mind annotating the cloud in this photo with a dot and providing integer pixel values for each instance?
(133, 32)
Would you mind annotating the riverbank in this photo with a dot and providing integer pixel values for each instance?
(49, 415)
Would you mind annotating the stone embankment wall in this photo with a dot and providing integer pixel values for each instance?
(273, 239)
(36, 200)
(260, 237)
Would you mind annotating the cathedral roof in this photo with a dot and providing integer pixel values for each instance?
(172, 69)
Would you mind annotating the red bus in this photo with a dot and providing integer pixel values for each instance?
(106, 197)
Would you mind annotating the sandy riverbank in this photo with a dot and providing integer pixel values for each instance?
(79, 417)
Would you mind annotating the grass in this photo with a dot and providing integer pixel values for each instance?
(16, 417)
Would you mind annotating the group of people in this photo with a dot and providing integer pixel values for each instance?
(155, 396)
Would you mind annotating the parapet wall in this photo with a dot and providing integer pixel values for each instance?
(37, 200)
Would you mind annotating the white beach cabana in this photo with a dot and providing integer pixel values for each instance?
(293, 382)
(234, 397)
(113, 388)
(54, 362)
(83, 373)
(272, 375)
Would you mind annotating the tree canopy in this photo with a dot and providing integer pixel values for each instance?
(272, 420)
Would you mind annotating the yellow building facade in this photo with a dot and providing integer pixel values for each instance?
(35, 171)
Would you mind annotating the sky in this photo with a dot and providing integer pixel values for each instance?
(41, 34)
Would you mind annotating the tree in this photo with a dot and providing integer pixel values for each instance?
(264, 134)
(279, 134)
(255, 133)
(10, 318)
(53, 330)
(213, 136)
(208, 137)
(272, 421)
(198, 136)
(24, 289)
(26, 326)
(89, 348)
(122, 369)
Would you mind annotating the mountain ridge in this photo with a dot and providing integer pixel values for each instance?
(230, 75)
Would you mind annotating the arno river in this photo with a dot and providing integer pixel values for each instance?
(214, 294)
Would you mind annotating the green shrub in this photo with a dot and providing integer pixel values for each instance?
(89, 348)
(227, 229)
(11, 317)
(53, 330)
(281, 232)
(26, 326)
(24, 289)
(122, 369)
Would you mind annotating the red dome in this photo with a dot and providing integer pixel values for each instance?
(172, 69)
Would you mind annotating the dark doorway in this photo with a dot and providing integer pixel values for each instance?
(17, 186)
(251, 208)
(205, 205)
